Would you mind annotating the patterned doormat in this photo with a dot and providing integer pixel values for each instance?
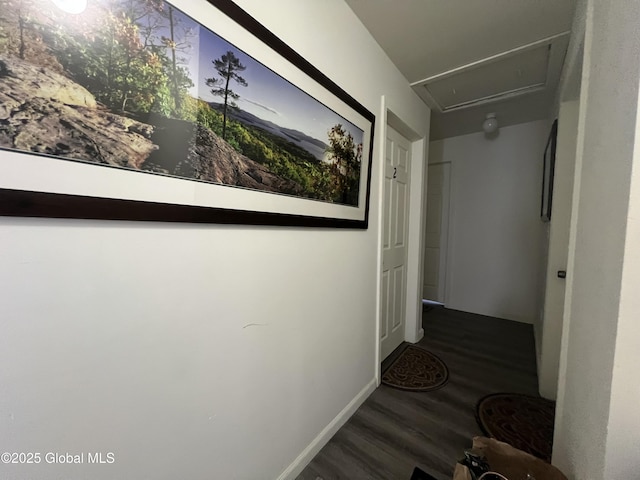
(524, 422)
(417, 370)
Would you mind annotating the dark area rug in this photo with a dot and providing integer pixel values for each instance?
(416, 369)
(522, 421)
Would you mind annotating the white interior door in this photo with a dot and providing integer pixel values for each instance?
(435, 250)
(558, 253)
(394, 242)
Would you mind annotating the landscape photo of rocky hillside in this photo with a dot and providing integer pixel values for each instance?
(139, 85)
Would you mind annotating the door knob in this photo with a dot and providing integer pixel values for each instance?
(562, 274)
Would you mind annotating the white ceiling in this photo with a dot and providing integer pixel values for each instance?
(469, 58)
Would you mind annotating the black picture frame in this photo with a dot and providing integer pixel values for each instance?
(62, 202)
(548, 169)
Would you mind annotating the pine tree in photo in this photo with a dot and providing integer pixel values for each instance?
(227, 67)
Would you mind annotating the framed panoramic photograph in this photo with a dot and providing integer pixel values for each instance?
(180, 110)
(549, 163)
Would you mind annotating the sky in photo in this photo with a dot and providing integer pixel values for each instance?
(267, 95)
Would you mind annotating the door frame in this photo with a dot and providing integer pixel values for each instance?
(443, 258)
(413, 331)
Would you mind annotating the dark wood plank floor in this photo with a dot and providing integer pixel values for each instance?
(395, 431)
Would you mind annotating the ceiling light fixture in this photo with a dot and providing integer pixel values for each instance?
(490, 124)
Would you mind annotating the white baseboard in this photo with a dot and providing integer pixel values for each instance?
(293, 470)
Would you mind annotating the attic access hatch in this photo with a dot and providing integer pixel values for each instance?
(526, 69)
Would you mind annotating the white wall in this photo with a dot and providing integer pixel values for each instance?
(623, 443)
(597, 433)
(198, 351)
(494, 260)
